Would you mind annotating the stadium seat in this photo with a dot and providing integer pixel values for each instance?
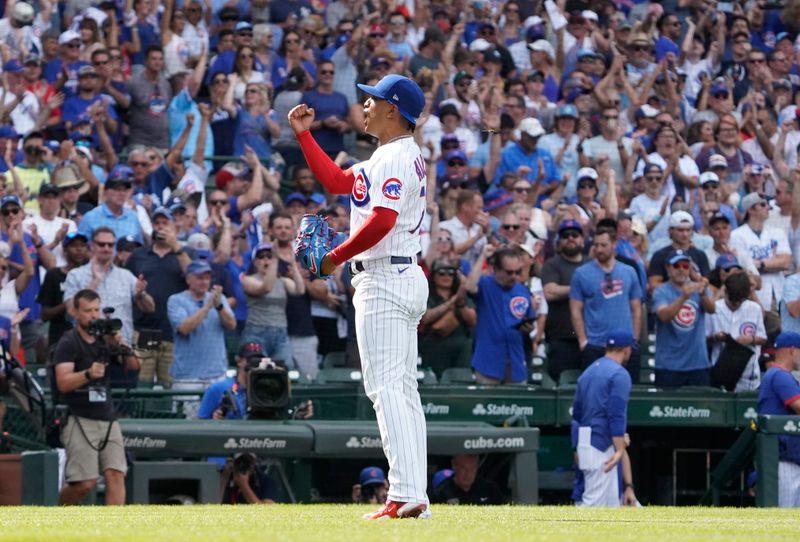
(458, 375)
(339, 375)
(541, 378)
(426, 376)
(333, 359)
(568, 378)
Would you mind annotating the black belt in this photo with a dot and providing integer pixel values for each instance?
(359, 266)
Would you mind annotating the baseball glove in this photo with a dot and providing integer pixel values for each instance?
(314, 240)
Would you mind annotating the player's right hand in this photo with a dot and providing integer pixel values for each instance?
(300, 118)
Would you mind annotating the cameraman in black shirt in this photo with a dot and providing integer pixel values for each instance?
(92, 436)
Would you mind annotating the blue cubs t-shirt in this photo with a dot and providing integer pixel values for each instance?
(498, 342)
(681, 342)
(606, 298)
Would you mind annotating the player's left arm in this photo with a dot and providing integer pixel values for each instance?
(782, 259)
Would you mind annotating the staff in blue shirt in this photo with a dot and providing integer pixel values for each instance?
(505, 318)
(681, 306)
(599, 421)
(604, 294)
(780, 395)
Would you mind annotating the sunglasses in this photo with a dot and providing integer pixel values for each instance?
(139, 164)
(571, 234)
(101, 62)
(103, 245)
(721, 95)
(245, 34)
(681, 265)
(640, 48)
(512, 227)
(709, 186)
(263, 254)
(456, 163)
(252, 91)
(13, 211)
(446, 272)
(73, 45)
(327, 72)
(217, 202)
(581, 186)
(522, 189)
(377, 35)
(246, 55)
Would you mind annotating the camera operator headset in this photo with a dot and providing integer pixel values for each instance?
(92, 436)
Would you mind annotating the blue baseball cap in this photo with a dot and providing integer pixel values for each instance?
(177, 205)
(440, 476)
(726, 261)
(570, 224)
(788, 339)
(13, 66)
(73, 236)
(242, 25)
(120, 174)
(677, 256)
(455, 153)
(619, 338)
(317, 198)
(163, 211)
(295, 196)
(7, 131)
(371, 476)
(10, 198)
(260, 248)
(496, 198)
(568, 110)
(401, 92)
(198, 267)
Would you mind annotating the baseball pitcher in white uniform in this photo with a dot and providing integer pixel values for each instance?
(387, 196)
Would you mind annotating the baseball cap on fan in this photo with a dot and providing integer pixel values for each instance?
(401, 92)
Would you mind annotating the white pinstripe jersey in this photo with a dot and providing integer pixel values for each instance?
(394, 177)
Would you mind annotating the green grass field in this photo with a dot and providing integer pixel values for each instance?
(334, 523)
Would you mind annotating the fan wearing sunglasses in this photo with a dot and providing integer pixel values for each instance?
(681, 305)
(446, 327)
(505, 314)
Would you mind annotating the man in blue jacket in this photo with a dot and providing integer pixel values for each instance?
(599, 421)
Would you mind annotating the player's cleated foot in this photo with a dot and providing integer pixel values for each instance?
(399, 510)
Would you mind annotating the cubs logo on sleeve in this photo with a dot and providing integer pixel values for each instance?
(391, 189)
(518, 306)
(361, 186)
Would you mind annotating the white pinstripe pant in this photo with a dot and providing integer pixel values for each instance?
(788, 484)
(389, 305)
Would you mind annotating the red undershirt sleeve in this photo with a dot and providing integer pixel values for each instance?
(324, 169)
(375, 228)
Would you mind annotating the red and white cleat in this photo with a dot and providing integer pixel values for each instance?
(399, 510)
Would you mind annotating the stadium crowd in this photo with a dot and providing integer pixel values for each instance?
(589, 163)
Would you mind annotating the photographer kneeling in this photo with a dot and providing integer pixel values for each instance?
(244, 481)
(92, 436)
